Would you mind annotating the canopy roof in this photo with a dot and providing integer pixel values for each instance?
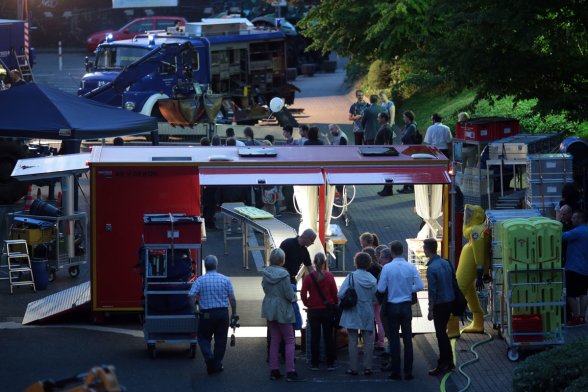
(40, 111)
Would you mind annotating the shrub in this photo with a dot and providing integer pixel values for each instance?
(530, 120)
(379, 75)
(555, 369)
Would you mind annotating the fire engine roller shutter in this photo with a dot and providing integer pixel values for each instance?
(388, 175)
(260, 176)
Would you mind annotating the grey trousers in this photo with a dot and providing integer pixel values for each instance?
(368, 349)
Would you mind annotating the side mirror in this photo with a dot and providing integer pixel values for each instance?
(88, 64)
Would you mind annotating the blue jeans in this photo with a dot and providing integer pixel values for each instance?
(213, 322)
(400, 316)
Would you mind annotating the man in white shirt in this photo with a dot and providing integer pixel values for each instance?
(400, 278)
(439, 135)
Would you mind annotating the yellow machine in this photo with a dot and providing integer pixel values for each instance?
(98, 379)
(474, 262)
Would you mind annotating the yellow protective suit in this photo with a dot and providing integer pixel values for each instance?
(474, 255)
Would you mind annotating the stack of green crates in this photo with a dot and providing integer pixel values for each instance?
(532, 247)
(495, 220)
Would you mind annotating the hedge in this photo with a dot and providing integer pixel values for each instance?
(564, 368)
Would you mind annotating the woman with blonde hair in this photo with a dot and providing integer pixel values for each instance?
(463, 116)
(319, 294)
(388, 105)
(277, 309)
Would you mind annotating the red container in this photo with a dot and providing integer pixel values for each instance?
(177, 229)
(486, 129)
(504, 128)
(527, 324)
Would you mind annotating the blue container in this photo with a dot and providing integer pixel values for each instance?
(40, 273)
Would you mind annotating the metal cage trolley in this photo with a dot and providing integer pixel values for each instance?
(47, 237)
(171, 261)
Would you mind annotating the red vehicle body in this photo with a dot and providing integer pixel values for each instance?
(133, 28)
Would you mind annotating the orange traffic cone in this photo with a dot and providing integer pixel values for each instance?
(59, 200)
(29, 199)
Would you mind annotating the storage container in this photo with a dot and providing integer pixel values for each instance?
(526, 324)
(486, 128)
(545, 192)
(520, 146)
(171, 228)
(550, 167)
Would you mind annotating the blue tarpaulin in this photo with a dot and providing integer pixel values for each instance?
(40, 111)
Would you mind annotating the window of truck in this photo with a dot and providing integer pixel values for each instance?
(114, 57)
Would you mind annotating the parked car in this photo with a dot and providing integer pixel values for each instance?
(133, 28)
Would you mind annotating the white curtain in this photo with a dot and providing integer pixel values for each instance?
(307, 199)
(429, 206)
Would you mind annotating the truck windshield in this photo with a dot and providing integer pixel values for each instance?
(113, 57)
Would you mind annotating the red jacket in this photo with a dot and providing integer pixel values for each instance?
(310, 295)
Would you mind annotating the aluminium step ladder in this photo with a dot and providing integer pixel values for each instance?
(24, 67)
(20, 271)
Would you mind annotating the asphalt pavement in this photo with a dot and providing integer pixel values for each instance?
(70, 346)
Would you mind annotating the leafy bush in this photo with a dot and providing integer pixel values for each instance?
(555, 369)
(579, 385)
(525, 112)
(354, 71)
(379, 75)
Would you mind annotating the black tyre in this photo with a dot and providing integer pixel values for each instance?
(11, 190)
(74, 272)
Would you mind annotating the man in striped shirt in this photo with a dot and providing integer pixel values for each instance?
(214, 293)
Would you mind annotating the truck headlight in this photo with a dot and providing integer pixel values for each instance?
(130, 105)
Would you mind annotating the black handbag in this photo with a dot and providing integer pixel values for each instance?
(334, 308)
(349, 299)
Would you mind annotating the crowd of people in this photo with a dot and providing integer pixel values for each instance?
(384, 285)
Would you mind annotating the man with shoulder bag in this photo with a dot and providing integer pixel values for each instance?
(441, 299)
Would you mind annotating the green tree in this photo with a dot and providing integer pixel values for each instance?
(368, 30)
(526, 49)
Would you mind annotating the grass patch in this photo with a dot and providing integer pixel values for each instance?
(425, 104)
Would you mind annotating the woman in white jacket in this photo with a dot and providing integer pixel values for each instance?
(361, 316)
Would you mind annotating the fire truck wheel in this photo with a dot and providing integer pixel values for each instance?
(11, 190)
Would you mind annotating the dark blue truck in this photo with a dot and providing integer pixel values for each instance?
(232, 70)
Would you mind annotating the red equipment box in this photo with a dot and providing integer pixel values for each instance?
(527, 324)
(486, 129)
(172, 228)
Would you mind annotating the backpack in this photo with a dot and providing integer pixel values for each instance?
(418, 137)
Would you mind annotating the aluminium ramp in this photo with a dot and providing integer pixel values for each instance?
(57, 304)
